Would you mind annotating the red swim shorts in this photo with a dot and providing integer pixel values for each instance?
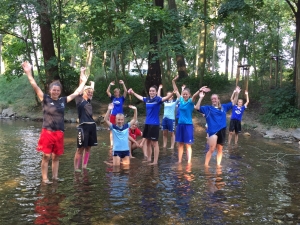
(51, 142)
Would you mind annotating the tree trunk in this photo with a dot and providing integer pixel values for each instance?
(232, 61)
(226, 61)
(89, 57)
(1, 37)
(202, 57)
(214, 49)
(47, 44)
(154, 73)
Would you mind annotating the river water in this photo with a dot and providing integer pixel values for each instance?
(259, 183)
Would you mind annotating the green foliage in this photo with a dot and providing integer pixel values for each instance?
(279, 109)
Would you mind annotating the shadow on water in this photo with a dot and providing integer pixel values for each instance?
(258, 183)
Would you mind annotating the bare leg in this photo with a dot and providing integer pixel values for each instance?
(188, 152)
(212, 141)
(236, 138)
(180, 151)
(131, 145)
(86, 156)
(156, 152)
(77, 158)
(111, 139)
(172, 140)
(149, 150)
(55, 165)
(165, 138)
(220, 154)
(229, 137)
(44, 167)
(116, 161)
(126, 160)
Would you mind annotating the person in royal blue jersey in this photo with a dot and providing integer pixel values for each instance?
(215, 115)
(236, 118)
(151, 130)
(168, 121)
(51, 141)
(185, 127)
(118, 100)
(120, 131)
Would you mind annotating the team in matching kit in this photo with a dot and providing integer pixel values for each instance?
(123, 135)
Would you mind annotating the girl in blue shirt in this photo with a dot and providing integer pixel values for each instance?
(151, 130)
(185, 128)
(215, 115)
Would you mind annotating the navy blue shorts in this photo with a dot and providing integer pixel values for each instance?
(235, 125)
(185, 133)
(168, 124)
(221, 136)
(121, 154)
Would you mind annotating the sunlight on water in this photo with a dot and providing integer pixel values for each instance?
(258, 184)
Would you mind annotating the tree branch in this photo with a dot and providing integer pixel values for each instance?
(291, 6)
(12, 34)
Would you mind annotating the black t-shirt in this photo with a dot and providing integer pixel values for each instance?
(84, 109)
(53, 113)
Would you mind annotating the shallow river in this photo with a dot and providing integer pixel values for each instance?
(259, 183)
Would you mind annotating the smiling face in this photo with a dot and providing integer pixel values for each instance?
(117, 93)
(214, 100)
(119, 120)
(152, 92)
(88, 94)
(55, 92)
(186, 94)
(240, 103)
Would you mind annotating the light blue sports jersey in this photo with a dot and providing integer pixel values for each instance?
(169, 109)
(186, 109)
(120, 137)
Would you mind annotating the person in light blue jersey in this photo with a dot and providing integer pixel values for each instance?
(151, 130)
(168, 121)
(215, 115)
(185, 127)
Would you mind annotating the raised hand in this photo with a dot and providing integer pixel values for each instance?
(175, 78)
(246, 92)
(183, 87)
(26, 66)
(83, 77)
(121, 82)
(112, 83)
(237, 89)
(201, 94)
(130, 91)
(160, 86)
(204, 89)
(110, 106)
(132, 106)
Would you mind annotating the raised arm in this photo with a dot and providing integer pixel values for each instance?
(124, 87)
(130, 91)
(83, 80)
(167, 97)
(106, 117)
(108, 88)
(201, 96)
(203, 89)
(134, 114)
(247, 98)
(27, 69)
(235, 95)
(176, 91)
(159, 90)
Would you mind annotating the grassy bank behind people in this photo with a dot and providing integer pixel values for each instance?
(273, 107)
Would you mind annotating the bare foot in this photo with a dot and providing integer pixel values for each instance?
(47, 182)
(108, 163)
(171, 148)
(132, 157)
(152, 164)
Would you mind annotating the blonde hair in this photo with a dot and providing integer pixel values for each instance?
(219, 103)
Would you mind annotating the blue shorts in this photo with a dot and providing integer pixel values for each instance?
(168, 124)
(121, 154)
(185, 133)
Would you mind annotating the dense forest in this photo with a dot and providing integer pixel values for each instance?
(254, 42)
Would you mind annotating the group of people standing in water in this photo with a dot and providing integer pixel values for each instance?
(123, 135)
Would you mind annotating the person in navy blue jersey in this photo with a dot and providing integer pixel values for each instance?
(215, 115)
(51, 141)
(118, 100)
(151, 130)
(236, 118)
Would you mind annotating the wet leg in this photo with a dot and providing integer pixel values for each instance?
(55, 165)
(212, 141)
(189, 153)
(44, 167)
(219, 154)
(86, 156)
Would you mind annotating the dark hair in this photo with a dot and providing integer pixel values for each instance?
(187, 89)
(55, 83)
(154, 86)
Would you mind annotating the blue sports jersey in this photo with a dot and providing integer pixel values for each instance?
(169, 109)
(215, 118)
(152, 110)
(237, 112)
(118, 104)
(186, 111)
(120, 137)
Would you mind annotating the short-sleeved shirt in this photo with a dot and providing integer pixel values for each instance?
(237, 112)
(53, 113)
(84, 110)
(135, 133)
(215, 117)
(118, 104)
(152, 110)
(169, 109)
(186, 111)
(120, 137)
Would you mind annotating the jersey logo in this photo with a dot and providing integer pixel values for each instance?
(51, 103)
